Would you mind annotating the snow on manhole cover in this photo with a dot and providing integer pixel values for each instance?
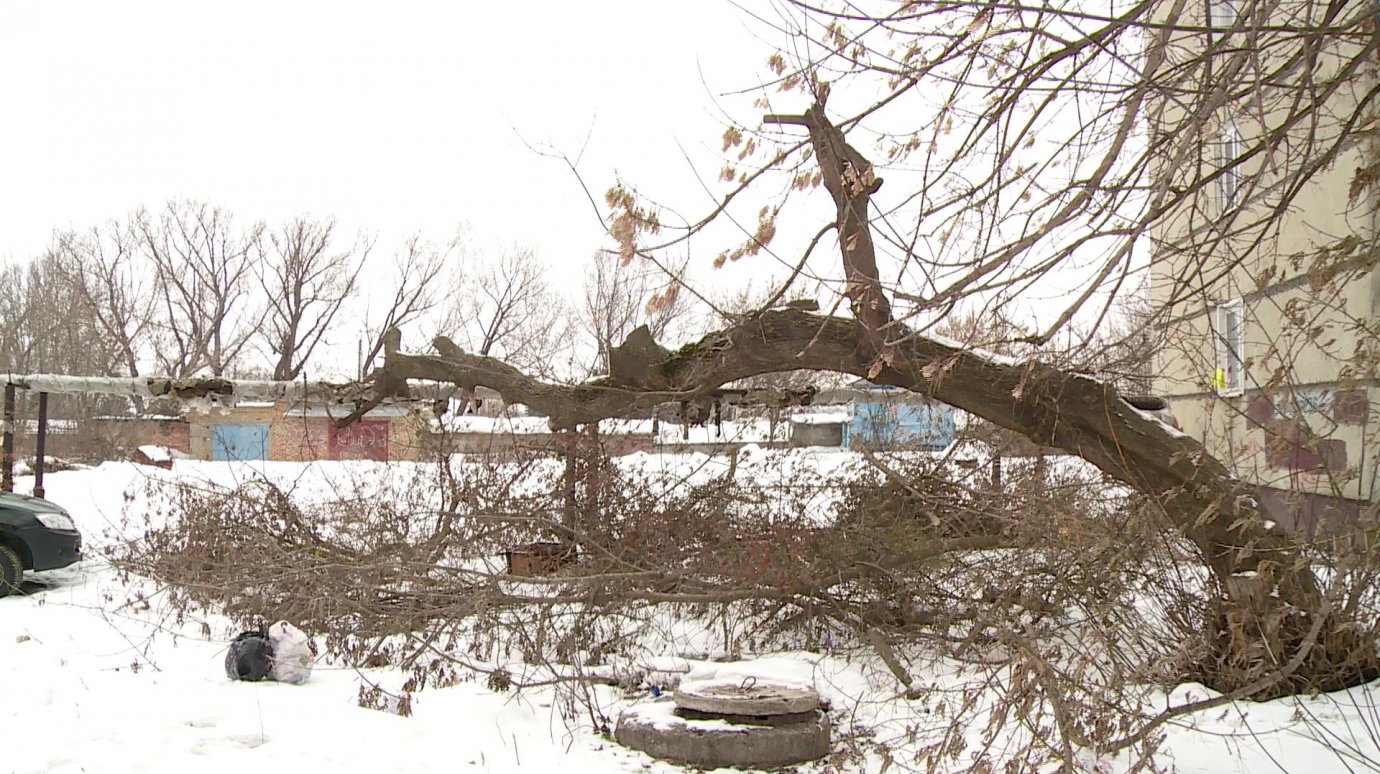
(745, 698)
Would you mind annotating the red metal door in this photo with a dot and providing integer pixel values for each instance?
(366, 439)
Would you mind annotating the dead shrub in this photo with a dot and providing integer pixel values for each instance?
(1053, 603)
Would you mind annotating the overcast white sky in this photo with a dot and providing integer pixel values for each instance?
(392, 116)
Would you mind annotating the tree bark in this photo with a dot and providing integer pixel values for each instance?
(849, 179)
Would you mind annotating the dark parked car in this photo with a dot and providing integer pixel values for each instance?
(35, 534)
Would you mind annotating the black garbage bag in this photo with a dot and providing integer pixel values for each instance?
(250, 657)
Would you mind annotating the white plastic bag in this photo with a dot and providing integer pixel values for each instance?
(291, 653)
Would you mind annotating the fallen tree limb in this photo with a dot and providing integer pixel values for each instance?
(1050, 406)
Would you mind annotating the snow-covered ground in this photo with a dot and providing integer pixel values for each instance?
(96, 675)
(749, 430)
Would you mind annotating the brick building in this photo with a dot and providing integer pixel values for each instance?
(301, 432)
(1267, 360)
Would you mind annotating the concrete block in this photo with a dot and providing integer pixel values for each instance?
(656, 730)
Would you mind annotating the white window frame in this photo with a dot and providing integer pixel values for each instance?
(1228, 149)
(1222, 14)
(1229, 323)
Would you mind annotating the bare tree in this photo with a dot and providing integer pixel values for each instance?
(111, 279)
(203, 265)
(306, 281)
(47, 326)
(1010, 132)
(44, 326)
(503, 306)
(15, 334)
(621, 295)
(417, 268)
(1028, 153)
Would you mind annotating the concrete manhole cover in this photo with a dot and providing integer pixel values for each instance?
(656, 730)
(745, 698)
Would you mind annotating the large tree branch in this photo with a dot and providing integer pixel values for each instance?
(849, 178)
(1051, 406)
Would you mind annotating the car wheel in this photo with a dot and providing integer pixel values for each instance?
(11, 571)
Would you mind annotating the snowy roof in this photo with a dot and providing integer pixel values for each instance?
(342, 411)
(820, 418)
(54, 425)
(738, 431)
(471, 423)
(163, 453)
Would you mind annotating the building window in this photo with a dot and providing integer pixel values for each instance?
(1222, 14)
(1228, 378)
(1228, 152)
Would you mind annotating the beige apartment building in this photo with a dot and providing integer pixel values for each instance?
(1269, 332)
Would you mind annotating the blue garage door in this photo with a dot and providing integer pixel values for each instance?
(239, 442)
(889, 423)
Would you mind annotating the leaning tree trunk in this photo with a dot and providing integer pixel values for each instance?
(1275, 632)
(1271, 597)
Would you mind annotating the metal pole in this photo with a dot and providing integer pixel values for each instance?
(40, 451)
(7, 456)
